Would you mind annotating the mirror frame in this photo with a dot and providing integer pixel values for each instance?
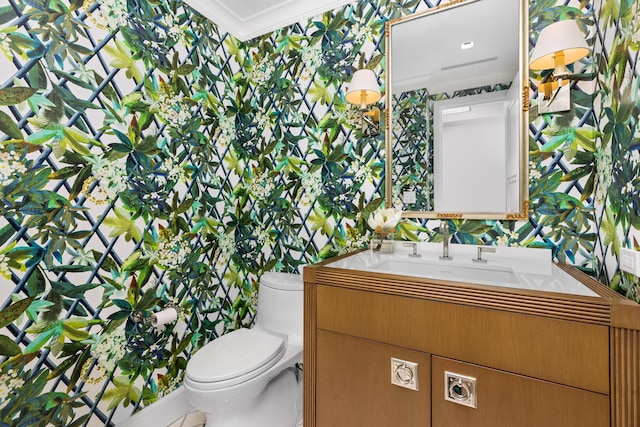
(523, 196)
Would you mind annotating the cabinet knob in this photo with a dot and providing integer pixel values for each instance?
(460, 389)
(404, 374)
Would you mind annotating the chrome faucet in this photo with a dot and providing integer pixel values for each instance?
(481, 250)
(444, 228)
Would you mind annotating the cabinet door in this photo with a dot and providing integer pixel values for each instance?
(504, 399)
(353, 384)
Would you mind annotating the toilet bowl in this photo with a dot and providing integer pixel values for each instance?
(249, 377)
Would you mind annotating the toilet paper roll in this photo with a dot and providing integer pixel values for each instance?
(163, 317)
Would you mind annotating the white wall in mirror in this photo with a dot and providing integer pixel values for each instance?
(486, 173)
(470, 174)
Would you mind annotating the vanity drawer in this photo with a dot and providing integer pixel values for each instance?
(505, 399)
(560, 351)
(353, 385)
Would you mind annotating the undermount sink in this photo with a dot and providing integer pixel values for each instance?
(510, 267)
(445, 270)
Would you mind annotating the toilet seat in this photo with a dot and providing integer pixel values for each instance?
(234, 358)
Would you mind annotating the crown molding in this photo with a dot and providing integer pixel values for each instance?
(247, 19)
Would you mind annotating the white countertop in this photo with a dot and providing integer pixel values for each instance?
(519, 268)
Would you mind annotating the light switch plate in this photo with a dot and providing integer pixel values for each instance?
(409, 197)
(630, 261)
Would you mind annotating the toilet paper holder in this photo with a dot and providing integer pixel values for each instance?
(155, 319)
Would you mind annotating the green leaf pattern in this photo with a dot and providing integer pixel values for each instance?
(149, 160)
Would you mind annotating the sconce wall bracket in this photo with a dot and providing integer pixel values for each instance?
(555, 96)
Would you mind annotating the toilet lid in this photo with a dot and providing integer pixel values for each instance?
(282, 281)
(234, 355)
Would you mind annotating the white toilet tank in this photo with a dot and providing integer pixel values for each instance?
(281, 304)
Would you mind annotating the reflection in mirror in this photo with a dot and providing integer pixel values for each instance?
(456, 140)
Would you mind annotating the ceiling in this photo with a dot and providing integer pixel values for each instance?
(246, 19)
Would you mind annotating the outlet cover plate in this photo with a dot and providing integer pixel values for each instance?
(630, 261)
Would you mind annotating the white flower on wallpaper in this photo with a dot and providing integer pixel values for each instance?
(112, 14)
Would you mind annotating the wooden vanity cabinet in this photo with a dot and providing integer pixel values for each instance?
(505, 399)
(538, 359)
(354, 388)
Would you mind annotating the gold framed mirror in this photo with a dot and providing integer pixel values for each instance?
(457, 104)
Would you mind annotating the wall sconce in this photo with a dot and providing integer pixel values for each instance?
(559, 44)
(362, 91)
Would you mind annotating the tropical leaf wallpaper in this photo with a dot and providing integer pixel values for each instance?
(412, 170)
(149, 160)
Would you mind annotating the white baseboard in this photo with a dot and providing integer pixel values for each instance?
(162, 412)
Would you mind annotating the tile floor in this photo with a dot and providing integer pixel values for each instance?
(197, 419)
(192, 419)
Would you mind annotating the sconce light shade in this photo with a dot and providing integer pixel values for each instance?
(559, 44)
(364, 88)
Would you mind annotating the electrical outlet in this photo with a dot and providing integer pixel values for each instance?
(630, 261)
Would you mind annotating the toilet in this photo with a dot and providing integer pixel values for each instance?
(249, 377)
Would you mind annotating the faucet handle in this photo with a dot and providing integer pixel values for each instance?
(482, 249)
(414, 253)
